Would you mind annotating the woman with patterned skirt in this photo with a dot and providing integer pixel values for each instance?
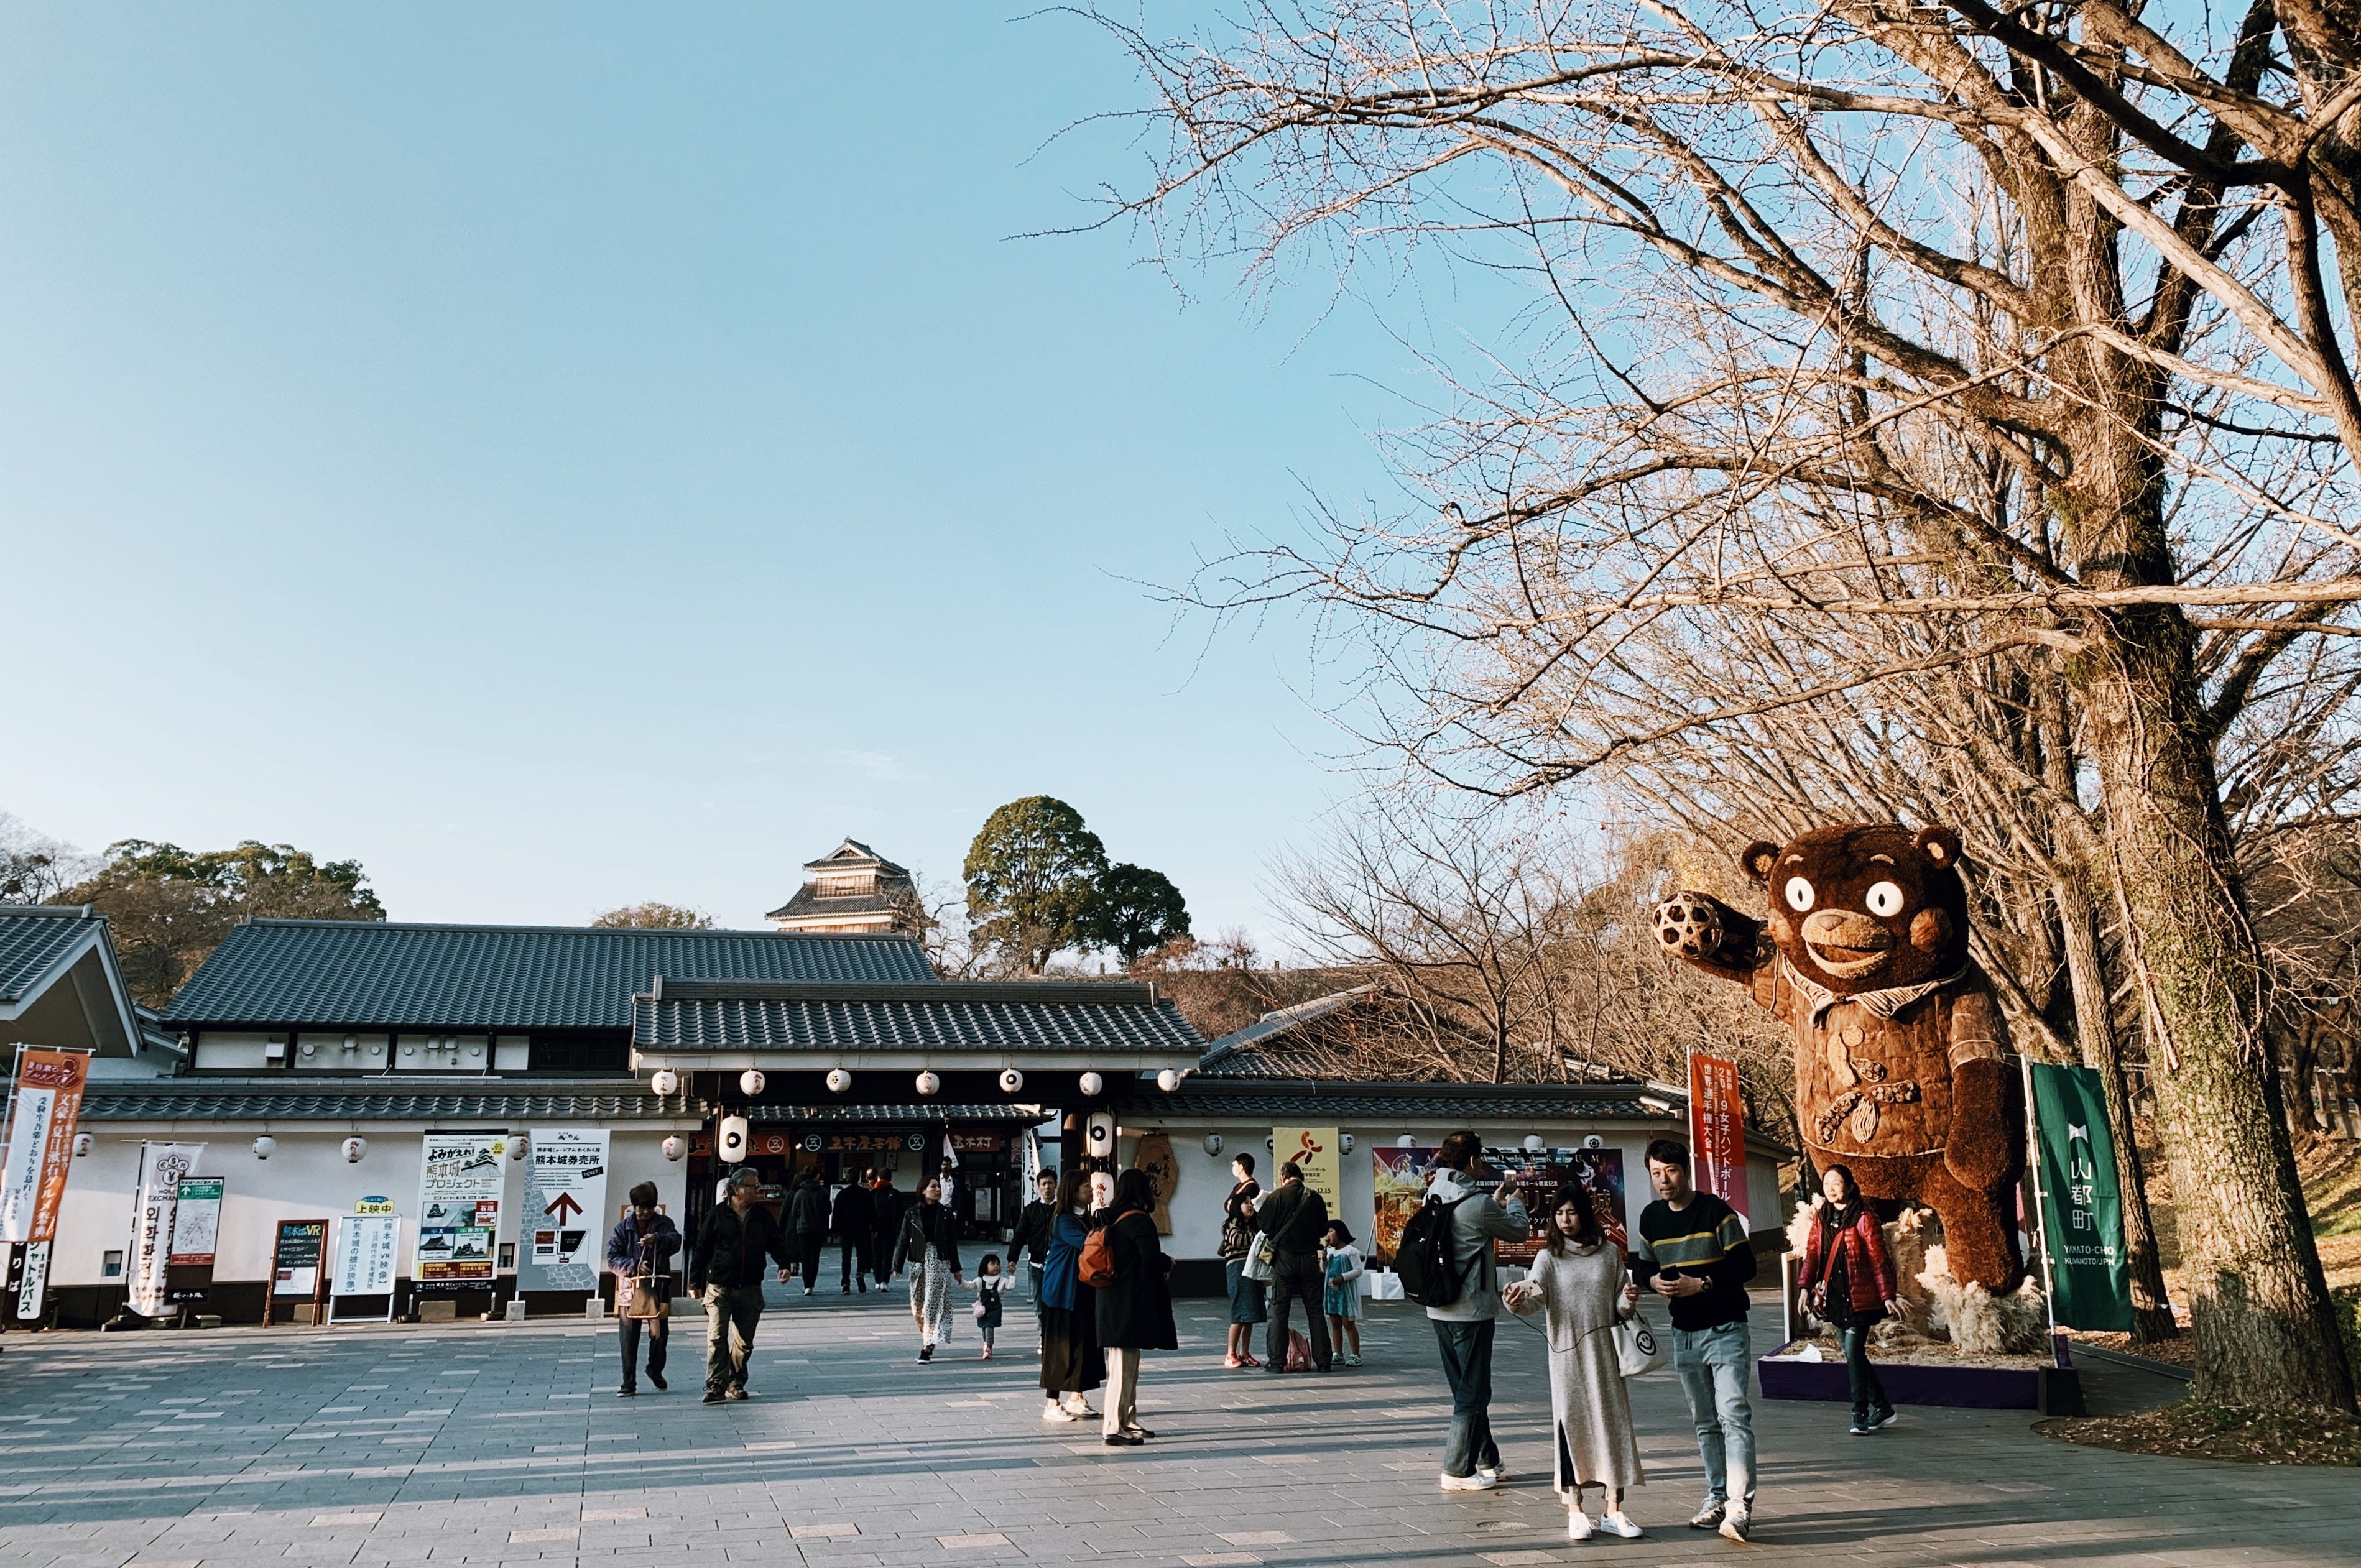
(929, 1246)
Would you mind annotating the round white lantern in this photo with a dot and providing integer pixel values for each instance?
(264, 1147)
(929, 1085)
(839, 1081)
(516, 1146)
(354, 1149)
(1212, 1143)
(82, 1145)
(665, 1082)
(1533, 1143)
(1167, 1080)
(1092, 1085)
(1011, 1081)
(1344, 1142)
(674, 1148)
(1407, 1141)
(751, 1081)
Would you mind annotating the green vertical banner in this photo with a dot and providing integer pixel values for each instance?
(2082, 1206)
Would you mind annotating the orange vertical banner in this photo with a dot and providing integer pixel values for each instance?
(43, 1116)
(1718, 1130)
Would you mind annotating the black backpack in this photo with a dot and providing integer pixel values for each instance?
(1429, 1275)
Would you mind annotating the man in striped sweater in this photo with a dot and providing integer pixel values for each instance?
(1691, 1248)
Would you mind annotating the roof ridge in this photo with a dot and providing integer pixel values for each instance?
(58, 911)
(602, 931)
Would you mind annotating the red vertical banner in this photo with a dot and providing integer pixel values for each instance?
(1718, 1130)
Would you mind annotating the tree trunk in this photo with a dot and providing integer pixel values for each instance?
(2260, 1308)
(2095, 1030)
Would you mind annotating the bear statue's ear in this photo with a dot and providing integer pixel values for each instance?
(1757, 859)
(1939, 845)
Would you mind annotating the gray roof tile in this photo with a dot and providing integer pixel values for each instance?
(34, 939)
(605, 1099)
(1003, 1116)
(981, 1017)
(1291, 1100)
(350, 974)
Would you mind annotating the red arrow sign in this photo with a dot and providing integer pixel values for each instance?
(565, 1208)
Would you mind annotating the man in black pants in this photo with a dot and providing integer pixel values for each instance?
(1031, 1240)
(807, 1219)
(853, 1223)
(1295, 1218)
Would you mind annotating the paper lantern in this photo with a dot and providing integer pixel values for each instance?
(665, 1082)
(1011, 1081)
(674, 1148)
(1167, 1080)
(751, 1081)
(264, 1146)
(839, 1081)
(1092, 1085)
(929, 1085)
(731, 1143)
(354, 1149)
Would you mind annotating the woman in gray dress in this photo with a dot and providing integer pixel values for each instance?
(1577, 1285)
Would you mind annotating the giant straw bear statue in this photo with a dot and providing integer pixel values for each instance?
(1899, 1047)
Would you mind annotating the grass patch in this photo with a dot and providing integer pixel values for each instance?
(2235, 1434)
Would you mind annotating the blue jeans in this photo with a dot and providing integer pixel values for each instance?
(1712, 1364)
(1467, 1367)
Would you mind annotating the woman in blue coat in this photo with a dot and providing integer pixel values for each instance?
(1070, 1363)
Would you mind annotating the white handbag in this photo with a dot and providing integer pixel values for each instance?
(1636, 1350)
(1258, 1259)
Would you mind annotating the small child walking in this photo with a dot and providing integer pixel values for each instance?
(1341, 1269)
(991, 1285)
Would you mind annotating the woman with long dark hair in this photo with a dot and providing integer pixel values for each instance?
(929, 1246)
(1237, 1243)
(1071, 1364)
(1849, 1279)
(1577, 1285)
(1135, 1312)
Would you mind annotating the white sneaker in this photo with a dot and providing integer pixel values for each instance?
(1479, 1481)
(1708, 1516)
(1735, 1523)
(1616, 1523)
(1578, 1526)
(1499, 1473)
(1058, 1413)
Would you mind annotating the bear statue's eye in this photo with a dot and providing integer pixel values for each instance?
(1799, 893)
(1884, 898)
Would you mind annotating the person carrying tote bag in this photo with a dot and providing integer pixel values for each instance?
(1577, 1284)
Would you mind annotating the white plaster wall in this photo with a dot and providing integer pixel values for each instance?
(306, 1177)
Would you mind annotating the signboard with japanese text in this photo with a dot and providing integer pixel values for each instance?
(1545, 1179)
(295, 1259)
(153, 1204)
(563, 1225)
(196, 1232)
(2081, 1203)
(367, 1247)
(32, 1285)
(43, 1113)
(1718, 1131)
(1313, 1149)
(847, 1142)
(460, 1178)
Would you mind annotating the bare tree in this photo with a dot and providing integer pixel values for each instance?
(1820, 275)
(36, 868)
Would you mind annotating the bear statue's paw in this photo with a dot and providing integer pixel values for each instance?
(1688, 925)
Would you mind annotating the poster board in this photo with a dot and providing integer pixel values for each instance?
(1315, 1149)
(1399, 1178)
(44, 1110)
(564, 1210)
(461, 1178)
(363, 1265)
(298, 1253)
(1718, 1131)
(196, 1234)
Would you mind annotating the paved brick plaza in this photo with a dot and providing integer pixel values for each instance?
(491, 1444)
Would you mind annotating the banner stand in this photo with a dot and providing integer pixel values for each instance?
(2040, 1216)
(393, 1287)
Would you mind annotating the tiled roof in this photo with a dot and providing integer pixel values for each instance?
(1260, 1049)
(35, 940)
(350, 974)
(1289, 1100)
(1002, 1115)
(1114, 1018)
(852, 852)
(806, 902)
(182, 1099)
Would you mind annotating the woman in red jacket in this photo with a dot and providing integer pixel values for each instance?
(1849, 1281)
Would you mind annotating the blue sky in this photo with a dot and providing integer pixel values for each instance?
(567, 455)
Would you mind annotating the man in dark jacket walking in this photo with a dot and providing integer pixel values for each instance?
(1031, 1240)
(886, 1210)
(640, 1251)
(854, 1221)
(807, 1220)
(726, 1268)
(1295, 1218)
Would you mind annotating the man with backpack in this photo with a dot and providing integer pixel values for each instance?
(1445, 1260)
(1294, 1218)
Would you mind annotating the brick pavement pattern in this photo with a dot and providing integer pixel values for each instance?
(505, 1443)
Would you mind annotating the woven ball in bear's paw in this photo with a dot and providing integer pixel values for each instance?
(1687, 925)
